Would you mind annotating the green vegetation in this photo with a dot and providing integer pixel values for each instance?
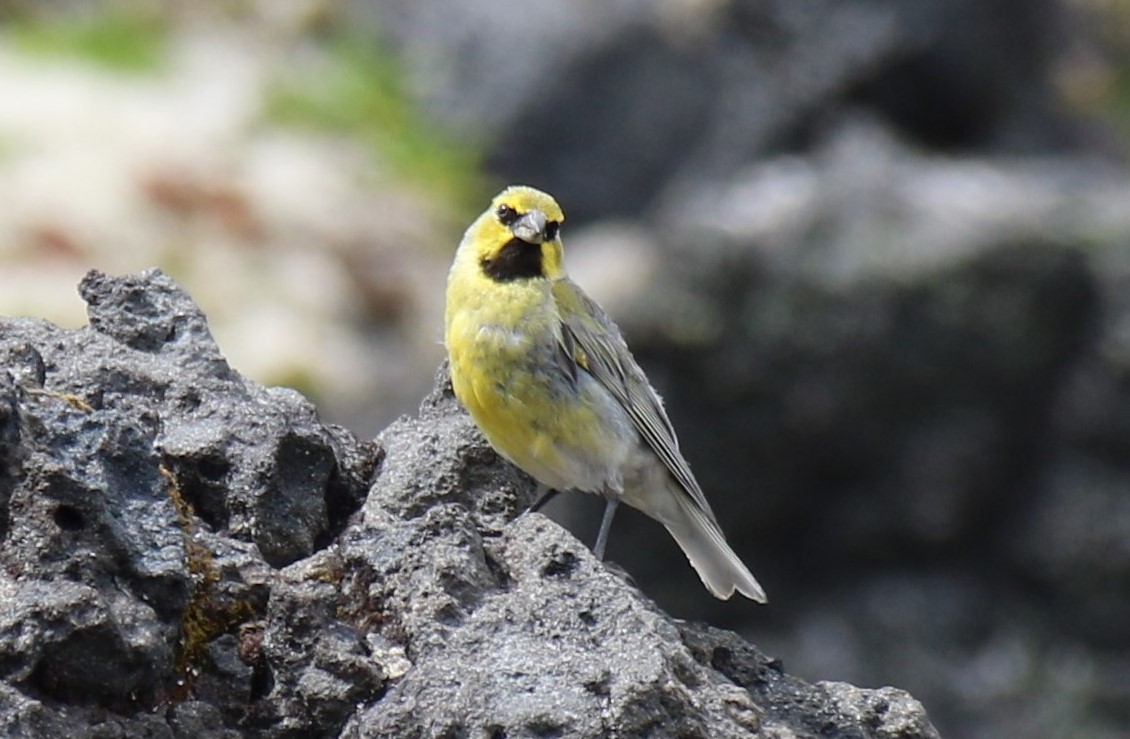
(355, 89)
(113, 37)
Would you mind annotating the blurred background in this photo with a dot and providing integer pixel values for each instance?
(874, 254)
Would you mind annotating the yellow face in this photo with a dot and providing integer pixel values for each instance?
(519, 236)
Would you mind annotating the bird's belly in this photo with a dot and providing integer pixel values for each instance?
(565, 433)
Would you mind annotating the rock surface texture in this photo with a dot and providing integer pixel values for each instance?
(184, 553)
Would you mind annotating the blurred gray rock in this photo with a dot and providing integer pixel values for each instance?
(164, 571)
(609, 105)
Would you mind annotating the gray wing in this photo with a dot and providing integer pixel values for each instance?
(604, 354)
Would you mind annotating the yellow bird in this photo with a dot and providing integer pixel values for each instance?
(549, 380)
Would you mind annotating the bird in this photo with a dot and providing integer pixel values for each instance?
(550, 382)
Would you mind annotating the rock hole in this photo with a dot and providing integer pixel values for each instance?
(563, 564)
(68, 518)
(262, 682)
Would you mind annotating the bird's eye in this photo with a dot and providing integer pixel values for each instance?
(551, 230)
(506, 215)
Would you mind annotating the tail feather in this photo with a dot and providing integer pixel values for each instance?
(721, 570)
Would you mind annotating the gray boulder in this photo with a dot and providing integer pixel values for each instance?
(184, 553)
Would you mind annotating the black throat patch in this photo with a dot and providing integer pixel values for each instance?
(517, 260)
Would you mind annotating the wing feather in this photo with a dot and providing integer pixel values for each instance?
(568, 357)
(600, 350)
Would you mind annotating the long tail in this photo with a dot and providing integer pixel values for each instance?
(721, 570)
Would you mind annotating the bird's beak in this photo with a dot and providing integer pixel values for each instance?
(530, 227)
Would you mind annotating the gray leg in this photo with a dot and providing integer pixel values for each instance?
(544, 495)
(605, 525)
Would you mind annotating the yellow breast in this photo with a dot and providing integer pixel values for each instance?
(502, 352)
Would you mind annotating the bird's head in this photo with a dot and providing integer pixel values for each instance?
(518, 237)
